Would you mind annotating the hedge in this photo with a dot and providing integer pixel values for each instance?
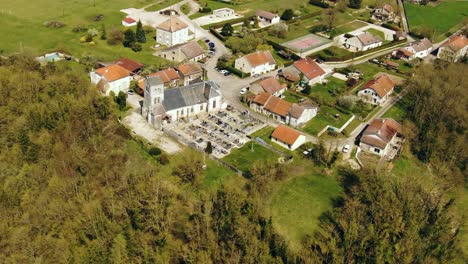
(221, 24)
(217, 34)
(237, 72)
(319, 3)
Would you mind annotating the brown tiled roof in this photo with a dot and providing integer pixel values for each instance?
(388, 8)
(271, 85)
(172, 24)
(296, 111)
(367, 38)
(265, 14)
(286, 134)
(382, 85)
(259, 58)
(129, 64)
(192, 50)
(166, 75)
(309, 68)
(380, 132)
(189, 68)
(456, 43)
(278, 106)
(129, 20)
(406, 52)
(262, 98)
(391, 63)
(113, 72)
(291, 74)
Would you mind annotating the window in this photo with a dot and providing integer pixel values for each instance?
(214, 103)
(201, 107)
(182, 112)
(191, 110)
(377, 150)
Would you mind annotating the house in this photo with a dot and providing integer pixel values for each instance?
(311, 71)
(377, 91)
(191, 51)
(384, 13)
(170, 77)
(283, 111)
(162, 106)
(362, 42)
(171, 32)
(113, 78)
(267, 17)
(291, 74)
(223, 12)
(453, 49)
(381, 137)
(129, 22)
(272, 86)
(256, 63)
(130, 65)
(287, 137)
(190, 72)
(419, 49)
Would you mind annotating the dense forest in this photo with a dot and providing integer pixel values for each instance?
(74, 190)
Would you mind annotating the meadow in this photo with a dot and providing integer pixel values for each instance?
(24, 31)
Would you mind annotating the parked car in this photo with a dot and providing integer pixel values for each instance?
(223, 71)
(207, 41)
(211, 53)
(319, 61)
(256, 75)
(243, 91)
(346, 148)
(227, 73)
(211, 44)
(130, 92)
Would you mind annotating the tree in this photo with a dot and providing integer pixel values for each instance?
(140, 33)
(355, 4)
(129, 38)
(288, 14)
(227, 30)
(279, 30)
(115, 37)
(136, 47)
(209, 148)
(329, 17)
(341, 5)
(121, 100)
(103, 32)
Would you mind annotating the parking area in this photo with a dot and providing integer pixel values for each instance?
(226, 130)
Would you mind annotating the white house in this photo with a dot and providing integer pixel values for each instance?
(129, 22)
(362, 42)
(383, 13)
(223, 12)
(453, 49)
(113, 78)
(287, 137)
(267, 17)
(381, 137)
(169, 105)
(171, 32)
(256, 63)
(311, 71)
(377, 91)
(419, 49)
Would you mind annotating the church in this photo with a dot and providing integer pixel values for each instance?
(162, 106)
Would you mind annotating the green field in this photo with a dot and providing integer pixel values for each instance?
(326, 116)
(243, 158)
(248, 7)
(298, 204)
(24, 26)
(397, 112)
(323, 92)
(348, 27)
(447, 16)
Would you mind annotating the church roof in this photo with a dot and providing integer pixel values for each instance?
(189, 95)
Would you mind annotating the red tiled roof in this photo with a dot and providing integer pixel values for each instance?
(260, 58)
(382, 85)
(271, 85)
(129, 20)
(456, 43)
(309, 68)
(113, 72)
(262, 98)
(406, 52)
(167, 75)
(380, 132)
(129, 64)
(189, 68)
(278, 106)
(286, 134)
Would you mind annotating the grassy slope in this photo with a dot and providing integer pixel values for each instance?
(243, 158)
(442, 18)
(25, 30)
(297, 205)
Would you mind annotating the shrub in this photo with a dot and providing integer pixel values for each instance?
(319, 3)
(318, 28)
(288, 14)
(204, 10)
(136, 47)
(163, 159)
(54, 24)
(79, 28)
(115, 37)
(154, 151)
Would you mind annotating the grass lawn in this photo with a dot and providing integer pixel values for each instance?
(297, 205)
(217, 175)
(350, 128)
(322, 92)
(397, 112)
(25, 30)
(296, 30)
(292, 97)
(348, 27)
(442, 18)
(249, 7)
(185, 8)
(243, 158)
(376, 32)
(326, 116)
(162, 4)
